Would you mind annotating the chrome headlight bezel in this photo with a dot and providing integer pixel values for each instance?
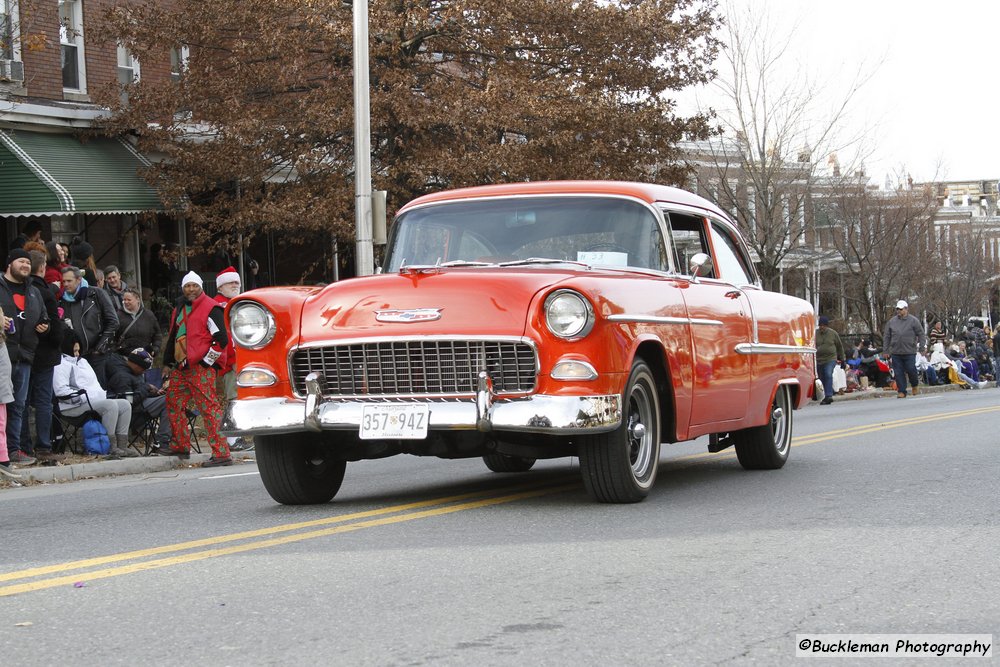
(266, 326)
(568, 314)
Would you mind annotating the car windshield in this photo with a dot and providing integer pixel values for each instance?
(596, 231)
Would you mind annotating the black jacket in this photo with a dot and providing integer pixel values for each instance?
(92, 316)
(48, 353)
(122, 381)
(144, 331)
(21, 344)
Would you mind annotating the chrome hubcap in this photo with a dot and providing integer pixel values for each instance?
(639, 438)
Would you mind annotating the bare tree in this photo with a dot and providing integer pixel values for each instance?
(884, 239)
(777, 132)
(962, 276)
(462, 94)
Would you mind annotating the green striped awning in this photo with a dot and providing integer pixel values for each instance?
(57, 174)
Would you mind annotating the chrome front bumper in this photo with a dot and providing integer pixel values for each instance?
(555, 415)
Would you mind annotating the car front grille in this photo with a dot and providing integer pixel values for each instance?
(416, 367)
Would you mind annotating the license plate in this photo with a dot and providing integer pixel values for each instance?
(403, 421)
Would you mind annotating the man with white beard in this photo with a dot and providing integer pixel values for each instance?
(228, 285)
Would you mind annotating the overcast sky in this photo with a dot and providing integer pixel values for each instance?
(934, 100)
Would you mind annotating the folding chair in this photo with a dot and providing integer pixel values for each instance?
(70, 425)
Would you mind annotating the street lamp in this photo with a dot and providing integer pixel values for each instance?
(364, 256)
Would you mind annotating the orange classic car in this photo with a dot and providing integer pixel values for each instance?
(521, 322)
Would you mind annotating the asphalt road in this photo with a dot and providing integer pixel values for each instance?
(885, 520)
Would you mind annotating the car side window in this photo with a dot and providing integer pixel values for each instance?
(728, 257)
(688, 238)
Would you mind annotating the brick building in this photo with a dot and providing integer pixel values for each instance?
(55, 166)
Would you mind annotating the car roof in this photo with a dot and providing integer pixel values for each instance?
(646, 192)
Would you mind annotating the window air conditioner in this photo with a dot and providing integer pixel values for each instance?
(11, 70)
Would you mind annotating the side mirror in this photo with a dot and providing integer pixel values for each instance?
(701, 265)
(378, 217)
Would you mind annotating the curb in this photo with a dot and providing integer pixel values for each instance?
(891, 393)
(108, 468)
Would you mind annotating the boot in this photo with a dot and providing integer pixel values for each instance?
(121, 447)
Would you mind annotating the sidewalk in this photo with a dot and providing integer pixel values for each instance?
(95, 467)
(891, 393)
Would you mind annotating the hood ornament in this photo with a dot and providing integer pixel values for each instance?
(413, 315)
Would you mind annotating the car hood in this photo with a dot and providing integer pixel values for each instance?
(453, 302)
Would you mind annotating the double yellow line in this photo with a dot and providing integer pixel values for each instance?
(90, 569)
(322, 527)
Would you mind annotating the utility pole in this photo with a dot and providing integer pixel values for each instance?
(364, 259)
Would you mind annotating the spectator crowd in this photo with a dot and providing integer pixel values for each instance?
(78, 341)
(908, 358)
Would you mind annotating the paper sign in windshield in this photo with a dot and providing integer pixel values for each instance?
(603, 258)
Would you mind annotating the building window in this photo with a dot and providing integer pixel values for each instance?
(71, 41)
(8, 22)
(178, 62)
(128, 71)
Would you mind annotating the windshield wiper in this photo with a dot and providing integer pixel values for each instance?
(543, 260)
(461, 262)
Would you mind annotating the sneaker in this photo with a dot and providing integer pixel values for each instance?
(214, 462)
(7, 472)
(241, 445)
(826, 401)
(21, 458)
(167, 451)
(48, 455)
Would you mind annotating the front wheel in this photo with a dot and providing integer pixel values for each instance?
(766, 447)
(620, 466)
(299, 468)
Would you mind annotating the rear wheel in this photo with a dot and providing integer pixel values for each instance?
(504, 463)
(766, 447)
(299, 468)
(620, 466)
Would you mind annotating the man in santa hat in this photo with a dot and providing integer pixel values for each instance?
(196, 349)
(228, 285)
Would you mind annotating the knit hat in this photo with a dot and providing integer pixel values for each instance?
(227, 275)
(17, 253)
(80, 249)
(192, 277)
(824, 320)
(140, 358)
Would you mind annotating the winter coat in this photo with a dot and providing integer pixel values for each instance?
(122, 381)
(72, 374)
(140, 331)
(828, 345)
(47, 353)
(92, 317)
(22, 343)
(6, 386)
(903, 335)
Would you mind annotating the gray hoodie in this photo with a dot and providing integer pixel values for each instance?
(903, 335)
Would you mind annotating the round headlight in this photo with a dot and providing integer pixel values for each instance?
(252, 325)
(568, 314)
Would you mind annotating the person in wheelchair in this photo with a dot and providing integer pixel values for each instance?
(126, 379)
(77, 389)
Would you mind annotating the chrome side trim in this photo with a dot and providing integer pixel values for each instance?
(768, 348)
(554, 415)
(653, 319)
